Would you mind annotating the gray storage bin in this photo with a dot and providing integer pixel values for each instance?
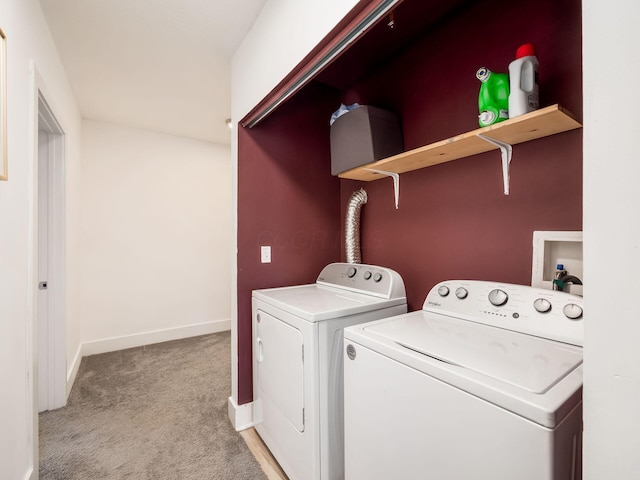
(362, 136)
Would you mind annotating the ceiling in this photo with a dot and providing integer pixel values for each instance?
(161, 65)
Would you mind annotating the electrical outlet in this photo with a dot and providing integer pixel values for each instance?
(265, 254)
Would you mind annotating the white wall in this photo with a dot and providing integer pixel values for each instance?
(611, 239)
(156, 217)
(282, 35)
(28, 39)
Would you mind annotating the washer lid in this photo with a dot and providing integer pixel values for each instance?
(531, 363)
(319, 302)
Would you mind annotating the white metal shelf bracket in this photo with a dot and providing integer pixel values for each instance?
(396, 182)
(507, 150)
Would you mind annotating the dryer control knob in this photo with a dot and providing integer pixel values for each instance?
(498, 297)
(542, 305)
(377, 277)
(572, 311)
(351, 272)
(462, 293)
(367, 275)
(351, 352)
(443, 290)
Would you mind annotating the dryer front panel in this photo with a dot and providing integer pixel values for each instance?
(279, 350)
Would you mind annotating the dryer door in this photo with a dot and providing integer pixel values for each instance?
(280, 374)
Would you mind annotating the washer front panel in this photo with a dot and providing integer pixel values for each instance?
(547, 409)
(400, 423)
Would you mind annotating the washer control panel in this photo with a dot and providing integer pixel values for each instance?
(534, 311)
(371, 279)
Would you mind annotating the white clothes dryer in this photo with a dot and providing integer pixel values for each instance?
(298, 362)
(484, 383)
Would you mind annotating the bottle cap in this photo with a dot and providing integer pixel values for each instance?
(525, 50)
(560, 266)
(483, 74)
(486, 117)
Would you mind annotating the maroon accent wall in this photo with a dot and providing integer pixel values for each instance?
(453, 221)
(288, 199)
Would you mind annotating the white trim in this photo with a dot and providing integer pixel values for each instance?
(234, 263)
(241, 416)
(73, 369)
(31, 474)
(156, 336)
(32, 275)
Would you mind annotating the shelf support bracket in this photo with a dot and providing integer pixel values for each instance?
(506, 149)
(396, 182)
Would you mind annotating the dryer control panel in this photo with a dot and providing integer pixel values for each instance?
(534, 311)
(369, 279)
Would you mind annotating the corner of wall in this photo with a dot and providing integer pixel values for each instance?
(241, 416)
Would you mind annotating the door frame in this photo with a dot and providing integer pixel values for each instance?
(40, 109)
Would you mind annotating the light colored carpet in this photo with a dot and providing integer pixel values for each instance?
(156, 412)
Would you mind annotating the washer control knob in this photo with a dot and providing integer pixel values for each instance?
(542, 305)
(443, 290)
(462, 293)
(498, 297)
(367, 275)
(572, 311)
(351, 272)
(377, 277)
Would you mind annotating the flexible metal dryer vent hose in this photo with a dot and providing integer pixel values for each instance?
(352, 226)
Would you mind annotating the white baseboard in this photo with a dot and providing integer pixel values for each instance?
(139, 339)
(156, 336)
(72, 370)
(31, 474)
(241, 416)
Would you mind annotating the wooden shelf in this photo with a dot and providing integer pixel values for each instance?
(538, 124)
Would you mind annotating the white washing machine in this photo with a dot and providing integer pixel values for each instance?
(297, 362)
(484, 383)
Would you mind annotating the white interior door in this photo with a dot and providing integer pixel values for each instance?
(52, 374)
(43, 271)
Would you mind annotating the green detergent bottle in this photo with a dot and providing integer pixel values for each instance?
(493, 101)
